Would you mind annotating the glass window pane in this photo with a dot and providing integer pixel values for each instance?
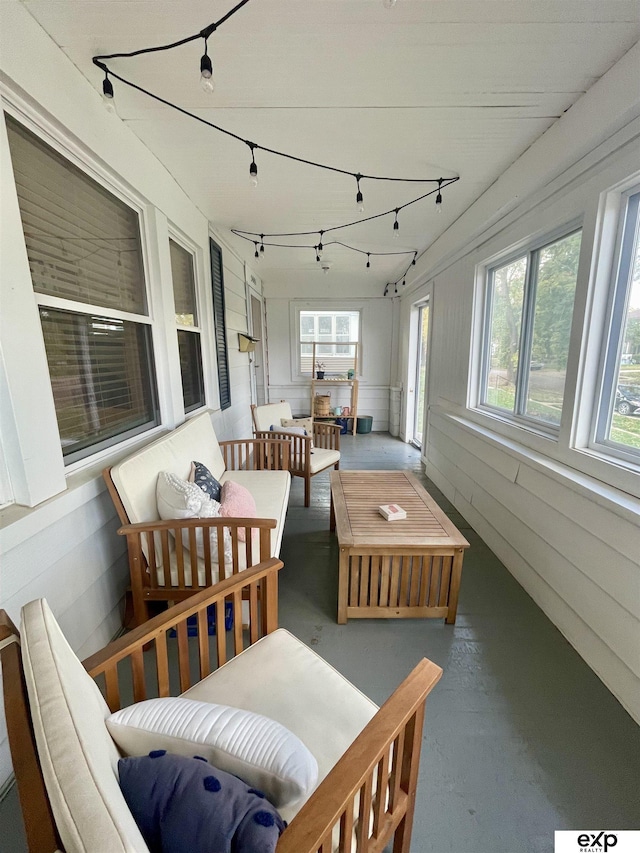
(191, 369)
(325, 327)
(83, 243)
(99, 367)
(557, 270)
(184, 285)
(507, 294)
(625, 422)
(307, 326)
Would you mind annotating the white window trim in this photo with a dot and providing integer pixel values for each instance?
(204, 325)
(39, 472)
(331, 305)
(612, 205)
(479, 372)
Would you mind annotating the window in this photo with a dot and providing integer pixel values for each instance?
(85, 258)
(527, 325)
(217, 283)
(184, 293)
(618, 421)
(341, 328)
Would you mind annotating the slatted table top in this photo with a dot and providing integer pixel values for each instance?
(357, 496)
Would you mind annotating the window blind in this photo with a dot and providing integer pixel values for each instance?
(217, 283)
(99, 376)
(184, 290)
(83, 243)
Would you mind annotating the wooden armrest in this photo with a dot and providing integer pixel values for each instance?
(384, 756)
(327, 435)
(256, 454)
(186, 523)
(150, 672)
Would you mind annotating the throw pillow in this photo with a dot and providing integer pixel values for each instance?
(262, 752)
(184, 804)
(179, 499)
(202, 477)
(305, 423)
(236, 501)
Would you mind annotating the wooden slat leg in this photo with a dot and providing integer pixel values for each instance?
(343, 585)
(456, 575)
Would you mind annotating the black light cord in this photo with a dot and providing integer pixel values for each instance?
(205, 33)
(310, 246)
(445, 182)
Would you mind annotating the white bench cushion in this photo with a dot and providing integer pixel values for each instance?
(285, 680)
(78, 758)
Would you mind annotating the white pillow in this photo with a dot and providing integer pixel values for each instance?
(179, 499)
(262, 752)
(295, 430)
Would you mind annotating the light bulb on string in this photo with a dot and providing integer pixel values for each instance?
(320, 248)
(317, 255)
(262, 246)
(107, 94)
(368, 262)
(253, 168)
(256, 255)
(439, 197)
(207, 83)
(386, 290)
(396, 225)
(396, 288)
(413, 262)
(359, 196)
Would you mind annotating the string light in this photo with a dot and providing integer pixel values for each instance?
(256, 255)
(207, 83)
(359, 198)
(107, 87)
(206, 72)
(413, 262)
(253, 168)
(439, 196)
(368, 261)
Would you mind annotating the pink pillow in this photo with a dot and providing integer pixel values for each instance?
(237, 502)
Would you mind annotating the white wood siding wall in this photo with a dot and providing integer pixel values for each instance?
(67, 549)
(565, 523)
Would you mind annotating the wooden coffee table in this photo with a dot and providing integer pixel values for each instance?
(393, 569)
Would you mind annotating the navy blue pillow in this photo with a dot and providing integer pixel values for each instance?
(202, 477)
(185, 804)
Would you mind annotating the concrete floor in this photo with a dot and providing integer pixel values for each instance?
(521, 738)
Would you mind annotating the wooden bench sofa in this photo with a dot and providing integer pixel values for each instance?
(160, 571)
(66, 764)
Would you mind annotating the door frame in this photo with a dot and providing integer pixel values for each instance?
(412, 368)
(253, 287)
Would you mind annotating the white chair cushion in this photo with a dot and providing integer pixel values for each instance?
(286, 681)
(322, 458)
(78, 757)
(260, 751)
(271, 413)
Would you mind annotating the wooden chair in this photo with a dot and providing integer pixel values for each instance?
(304, 460)
(366, 799)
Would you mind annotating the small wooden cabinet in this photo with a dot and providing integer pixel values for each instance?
(351, 362)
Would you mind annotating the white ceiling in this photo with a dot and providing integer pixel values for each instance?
(428, 88)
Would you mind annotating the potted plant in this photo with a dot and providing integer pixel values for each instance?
(319, 370)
